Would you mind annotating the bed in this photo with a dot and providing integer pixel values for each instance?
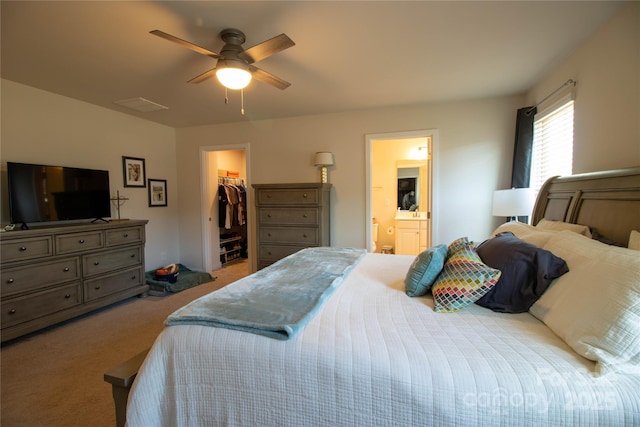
(370, 355)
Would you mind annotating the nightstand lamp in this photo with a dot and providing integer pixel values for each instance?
(513, 203)
(322, 160)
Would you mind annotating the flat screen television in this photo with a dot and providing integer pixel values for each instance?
(41, 193)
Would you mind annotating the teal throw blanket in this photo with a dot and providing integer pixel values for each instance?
(276, 301)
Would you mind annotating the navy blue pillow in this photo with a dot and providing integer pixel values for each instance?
(527, 271)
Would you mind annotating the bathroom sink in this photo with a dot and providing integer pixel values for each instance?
(407, 215)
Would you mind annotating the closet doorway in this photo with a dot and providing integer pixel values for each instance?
(226, 235)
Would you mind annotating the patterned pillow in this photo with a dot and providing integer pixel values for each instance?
(456, 245)
(463, 280)
(424, 270)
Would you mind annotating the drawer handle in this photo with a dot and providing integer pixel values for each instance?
(67, 296)
(96, 263)
(66, 269)
(304, 195)
(268, 215)
(23, 248)
(133, 255)
(81, 241)
(12, 311)
(269, 234)
(126, 235)
(304, 215)
(268, 196)
(269, 253)
(10, 281)
(133, 277)
(304, 235)
(97, 288)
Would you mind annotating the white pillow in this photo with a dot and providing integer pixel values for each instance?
(526, 232)
(595, 307)
(546, 224)
(634, 240)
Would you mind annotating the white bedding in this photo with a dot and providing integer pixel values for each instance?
(373, 356)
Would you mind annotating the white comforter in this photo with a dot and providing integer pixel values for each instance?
(373, 356)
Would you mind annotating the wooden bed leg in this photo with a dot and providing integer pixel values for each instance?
(121, 378)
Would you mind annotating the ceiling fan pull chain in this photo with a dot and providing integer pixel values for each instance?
(242, 101)
(226, 96)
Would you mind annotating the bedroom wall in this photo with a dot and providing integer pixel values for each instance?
(44, 128)
(473, 157)
(607, 104)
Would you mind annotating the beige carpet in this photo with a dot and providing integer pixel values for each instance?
(55, 377)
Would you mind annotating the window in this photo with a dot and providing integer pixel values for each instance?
(552, 142)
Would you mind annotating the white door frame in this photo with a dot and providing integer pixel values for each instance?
(433, 134)
(206, 178)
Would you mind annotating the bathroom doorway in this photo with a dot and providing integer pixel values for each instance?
(387, 156)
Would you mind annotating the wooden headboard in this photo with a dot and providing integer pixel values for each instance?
(608, 202)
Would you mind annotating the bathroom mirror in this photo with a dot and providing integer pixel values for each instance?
(409, 184)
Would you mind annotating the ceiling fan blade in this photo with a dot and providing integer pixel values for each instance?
(204, 76)
(185, 43)
(268, 78)
(267, 48)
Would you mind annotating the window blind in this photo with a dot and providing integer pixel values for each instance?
(552, 144)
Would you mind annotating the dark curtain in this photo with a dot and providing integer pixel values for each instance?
(523, 148)
(522, 151)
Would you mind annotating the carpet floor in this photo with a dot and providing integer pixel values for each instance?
(54, 377)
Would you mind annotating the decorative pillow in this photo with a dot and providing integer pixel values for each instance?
(463, 280)
(546, 224)
(526, 232)
(595, 307)
(634, 240)
(424, 270)
(527, 271)
(456, 245)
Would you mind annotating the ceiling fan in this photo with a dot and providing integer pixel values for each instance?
(234, 68)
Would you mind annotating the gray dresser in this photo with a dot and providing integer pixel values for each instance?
(51, 274)
(290, 217)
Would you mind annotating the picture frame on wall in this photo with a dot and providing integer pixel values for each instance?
(133, 171)
(157, 189)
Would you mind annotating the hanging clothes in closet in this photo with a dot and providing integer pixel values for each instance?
(232, 202)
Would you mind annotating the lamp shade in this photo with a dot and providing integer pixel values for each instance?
(324, 159)
(513, 202)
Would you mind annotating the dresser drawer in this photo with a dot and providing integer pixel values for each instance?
(76, 242)
(286, 196)
(36, 247)
(32, 306)
(276, 252)
(307, 236)
(40, 275)
(104, 262)
(289, 216)
(107, 285)
(123, 236)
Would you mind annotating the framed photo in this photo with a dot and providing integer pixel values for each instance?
(157, 192)
(133, 170)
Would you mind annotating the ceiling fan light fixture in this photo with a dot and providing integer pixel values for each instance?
(233, 78)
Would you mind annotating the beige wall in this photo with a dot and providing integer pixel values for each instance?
(607, 104)
(473, 157)
(44, 128)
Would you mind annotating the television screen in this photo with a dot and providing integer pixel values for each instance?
(40, 193)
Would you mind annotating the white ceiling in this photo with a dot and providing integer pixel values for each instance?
(348, 55)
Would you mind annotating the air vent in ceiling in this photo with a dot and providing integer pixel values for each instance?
(141, 104)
